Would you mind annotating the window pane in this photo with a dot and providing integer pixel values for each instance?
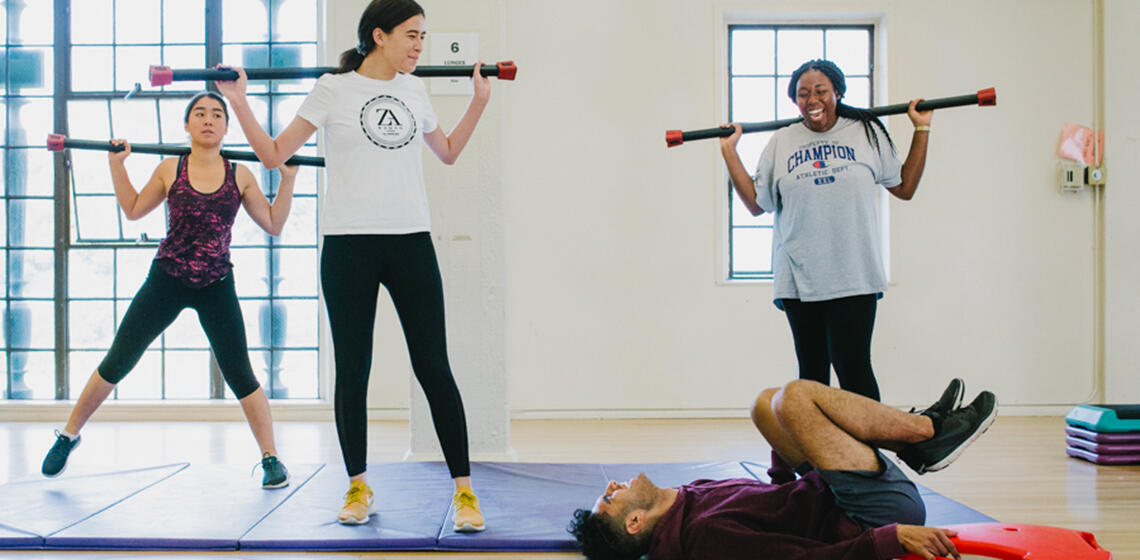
(31, 325)
(33, 25)
(172, 112)
(88, 120)
(30, 71)
(786, 108)
(33, 375)
(750, 147)
(186, 332)
(797, 46)
(91, 273)
(752, 250)
(81, 365)
(145, 380)
(133, 265)
(132, 66)
(138, 21)
(849, 49)
(96, 218)
(137, 121)
(248, 56)
(249, 272)
(753, 51)
(298, 376)
(247, 233)
(294, 55)
(306, 180)
(752, 99)
(252, 14)
(301, 228)
(302, 323)
(298, 271)
(92, 69)
(742, 217)
(30, 172)
(294, 20)
(92, 324)
(150, 228)
(90, 171)
(30, 121)
(183, 57)
(187, 374)
(858, 92)
(260, 109)
(91, 22)
(31, 223)
(184, 21)
(285, 109)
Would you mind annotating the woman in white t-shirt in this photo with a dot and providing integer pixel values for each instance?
(376, 227)
(821, 179)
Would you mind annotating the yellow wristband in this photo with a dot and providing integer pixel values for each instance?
(921, 128)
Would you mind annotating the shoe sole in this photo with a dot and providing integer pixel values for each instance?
(65, 461)
(945, 462)
(469, 528)
(367, 518)
(281, 484)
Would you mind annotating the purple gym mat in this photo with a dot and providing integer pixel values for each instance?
(1102, 437)
(15, 539)
(527, 506)
(1105, 448)
(45, 506)
(1102, 458)
(411, 500)
(202, 507)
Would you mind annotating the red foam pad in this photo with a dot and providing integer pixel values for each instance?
(673, 138)
(1011, 541)
(507, 70)
(161, 76)
(987, 97)
(55, 142)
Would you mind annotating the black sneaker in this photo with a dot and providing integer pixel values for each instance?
(951, 399)
(56, 459)
(952, 434)
(276, 475)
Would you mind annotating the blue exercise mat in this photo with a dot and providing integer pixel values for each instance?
(527, 505)
(176, 507)
(46, 506)
(202, 507)
(411, 500)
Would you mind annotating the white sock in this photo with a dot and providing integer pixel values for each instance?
(70, 436)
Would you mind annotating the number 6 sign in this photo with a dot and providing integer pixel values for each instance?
(453, 49)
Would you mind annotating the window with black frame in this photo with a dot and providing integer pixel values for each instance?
(112, 43)
(761, 61)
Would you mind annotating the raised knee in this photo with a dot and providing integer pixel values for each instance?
(792, 395)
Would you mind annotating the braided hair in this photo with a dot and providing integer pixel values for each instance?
(839, 83)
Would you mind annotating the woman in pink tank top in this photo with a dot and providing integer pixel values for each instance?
(192, 269)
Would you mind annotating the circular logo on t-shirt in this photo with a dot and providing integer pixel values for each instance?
(387, 122)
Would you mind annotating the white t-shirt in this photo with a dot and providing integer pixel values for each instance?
(374, 133)
(823, 187)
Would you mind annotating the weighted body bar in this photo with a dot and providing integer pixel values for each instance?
(163, 75)
(57, 142)
(983, 98)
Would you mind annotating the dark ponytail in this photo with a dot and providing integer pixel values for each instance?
(383, 14)
(839, 84)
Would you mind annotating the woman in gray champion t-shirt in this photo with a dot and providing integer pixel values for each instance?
(821, 178)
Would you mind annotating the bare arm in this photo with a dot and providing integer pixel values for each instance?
(448, 147)
(271, 217)
(742, 182)
(916, 158)
(137, 204)
(271, 151)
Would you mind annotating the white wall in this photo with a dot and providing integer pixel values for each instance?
(591, 276)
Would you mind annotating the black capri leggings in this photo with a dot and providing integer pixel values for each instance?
(157, 304)
(835, 332)
(352, 269)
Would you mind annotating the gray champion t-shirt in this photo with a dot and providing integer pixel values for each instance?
(822, 188)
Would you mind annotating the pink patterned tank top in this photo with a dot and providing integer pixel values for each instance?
(198, 229)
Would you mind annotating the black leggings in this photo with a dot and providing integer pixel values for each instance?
(835, 332)
(352, 269)
(157, 304)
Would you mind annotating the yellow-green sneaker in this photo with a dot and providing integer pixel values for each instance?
(358, 505)
(465, 511)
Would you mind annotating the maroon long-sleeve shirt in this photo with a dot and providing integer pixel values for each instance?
(748, 520)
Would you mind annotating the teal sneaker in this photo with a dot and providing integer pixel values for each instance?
(56, 459)
(276, 475)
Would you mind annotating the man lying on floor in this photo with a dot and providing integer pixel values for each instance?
(850, 503)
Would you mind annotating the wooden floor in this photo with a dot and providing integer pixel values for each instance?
(1017, 472)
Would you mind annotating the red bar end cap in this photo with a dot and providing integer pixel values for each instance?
(987, 97)
(55, 142)
(673, 138)
(507, 70)
(161, 76)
